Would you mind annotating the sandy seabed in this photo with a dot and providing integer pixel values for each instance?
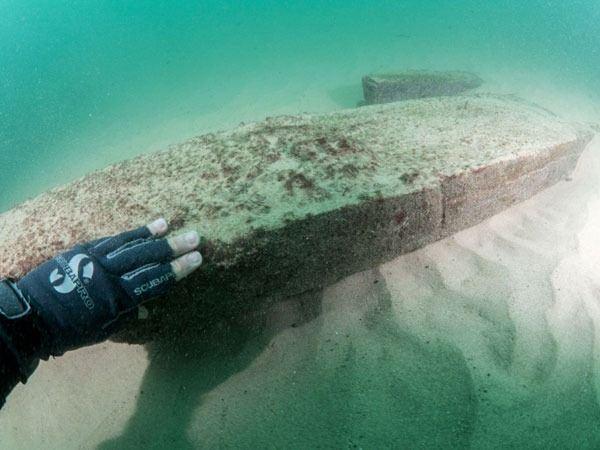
(486, 339)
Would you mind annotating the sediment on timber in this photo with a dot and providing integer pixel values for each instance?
(297, 202)
(393, 87)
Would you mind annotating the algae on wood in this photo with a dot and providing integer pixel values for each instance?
(297, 202)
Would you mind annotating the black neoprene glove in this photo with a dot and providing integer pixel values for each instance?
(81, 297)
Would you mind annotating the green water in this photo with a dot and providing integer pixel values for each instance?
(84, 84)
(87, 83)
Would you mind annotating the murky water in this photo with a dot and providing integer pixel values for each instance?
(484, 340)
(83, 84)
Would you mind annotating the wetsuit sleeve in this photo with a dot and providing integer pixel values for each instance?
(20, 340)
(9, 373)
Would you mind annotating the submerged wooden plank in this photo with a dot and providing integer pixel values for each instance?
(393, 87)
(297, 202)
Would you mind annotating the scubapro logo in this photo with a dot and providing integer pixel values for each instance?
(153, 283)
(69, 280)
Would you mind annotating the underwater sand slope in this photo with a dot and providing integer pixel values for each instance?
(297, 202)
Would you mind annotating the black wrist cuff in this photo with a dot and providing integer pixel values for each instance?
(13, 304)
(18, 329)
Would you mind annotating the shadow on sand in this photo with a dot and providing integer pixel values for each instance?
(181, 372)
(349, 96)
(354, 380)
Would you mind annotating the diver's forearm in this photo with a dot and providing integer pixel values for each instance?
(19, 340)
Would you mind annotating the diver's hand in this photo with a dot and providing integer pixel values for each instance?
(82, 296)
